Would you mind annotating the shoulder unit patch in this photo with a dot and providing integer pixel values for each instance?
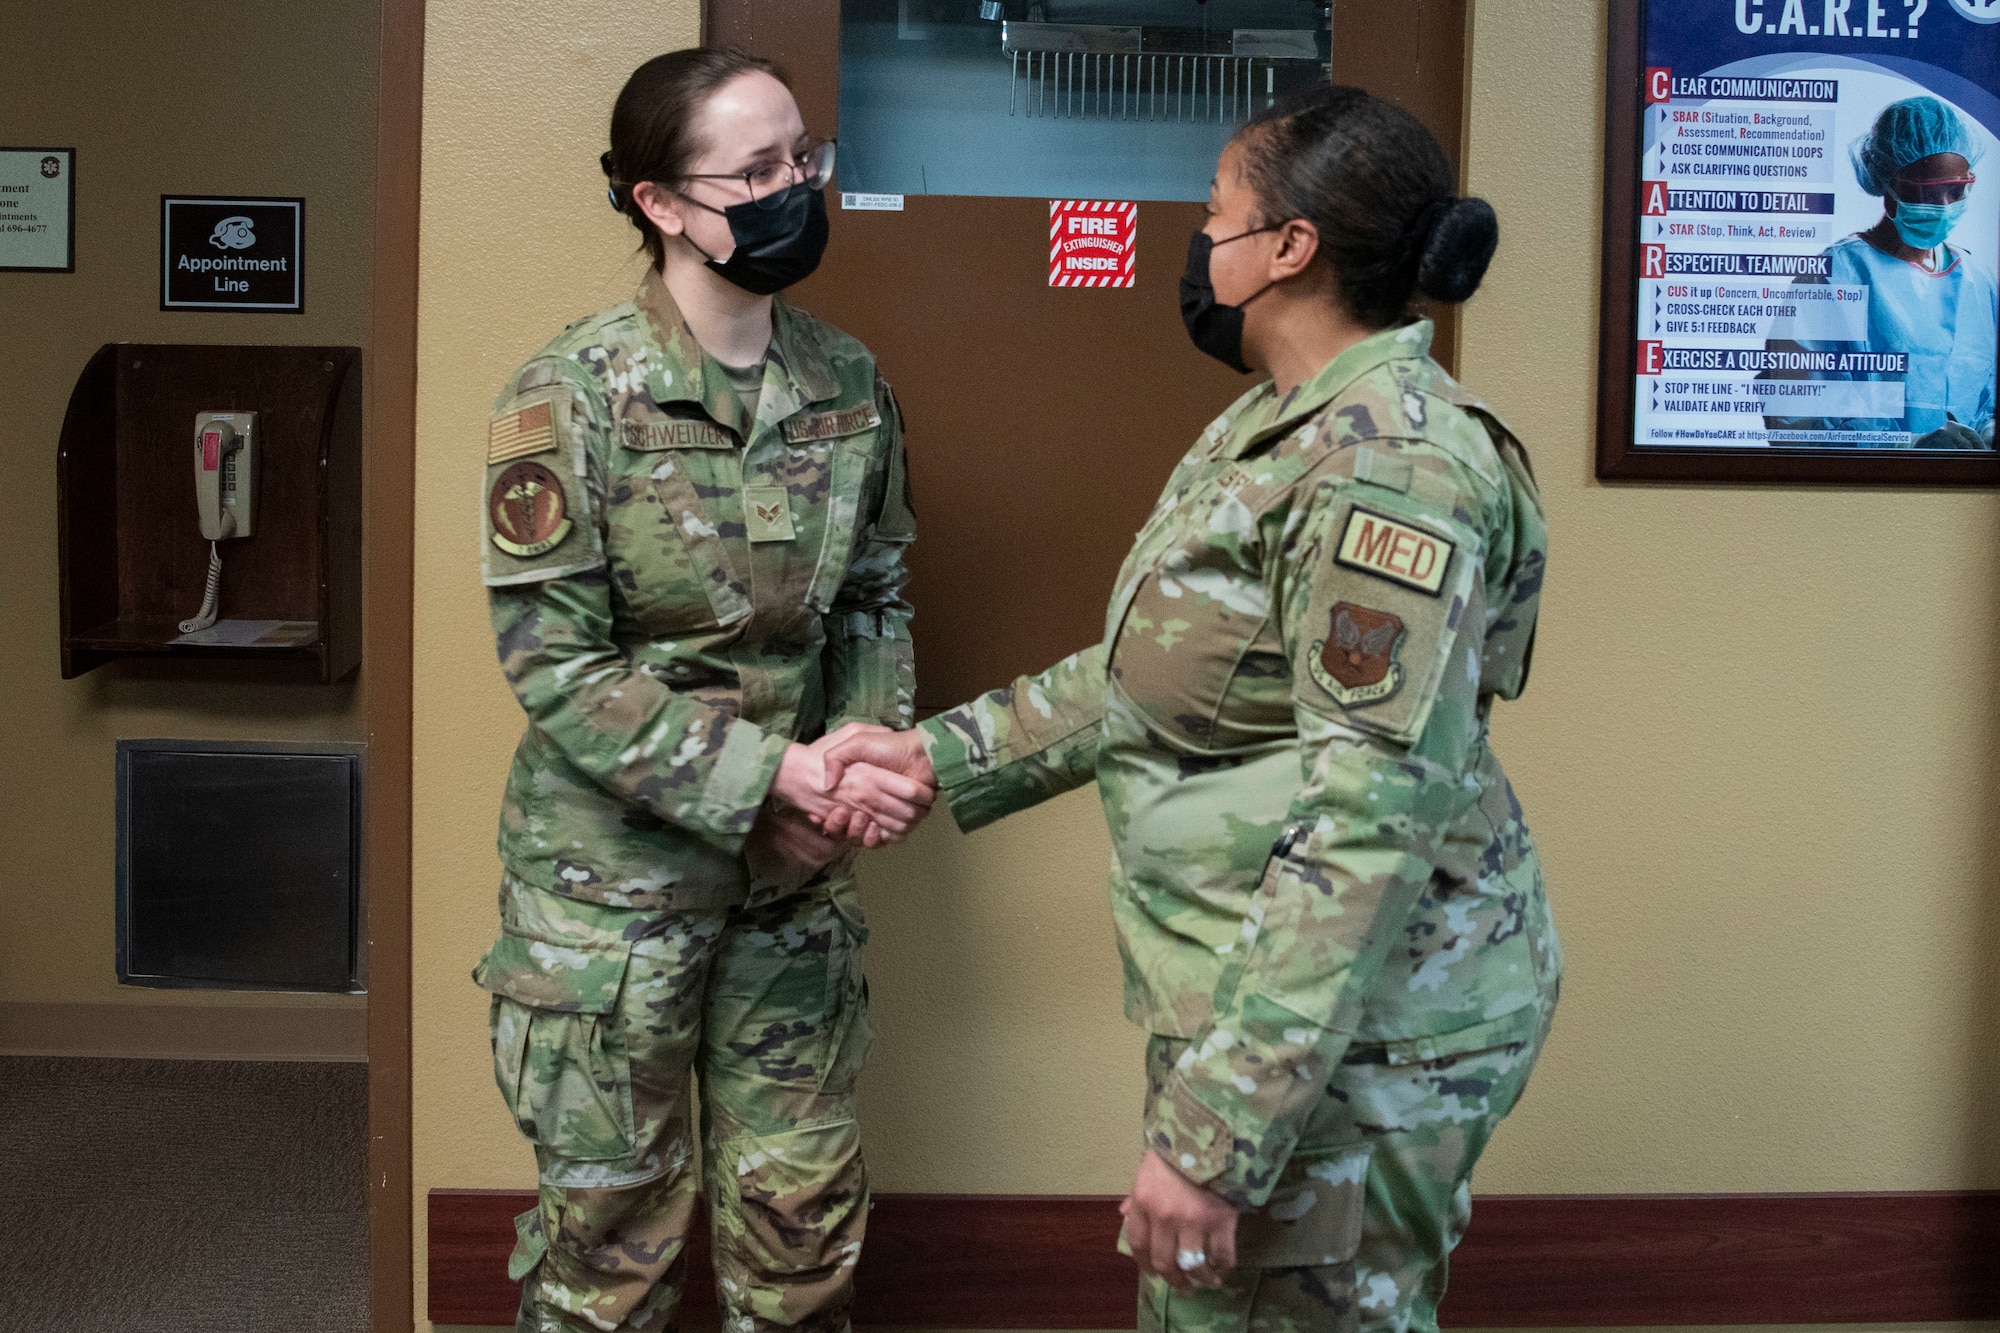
(528, 510)
(1356, 661)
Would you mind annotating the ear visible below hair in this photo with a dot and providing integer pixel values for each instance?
(660, 206)
(1296, 248)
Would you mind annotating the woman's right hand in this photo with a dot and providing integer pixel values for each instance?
(881, 782)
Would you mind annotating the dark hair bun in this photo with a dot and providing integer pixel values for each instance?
(1461, 245)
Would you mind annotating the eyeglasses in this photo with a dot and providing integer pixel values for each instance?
(1947, 191)
(767, 184)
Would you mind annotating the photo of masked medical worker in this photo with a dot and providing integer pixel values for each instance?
(1932, 309)
(695, 518)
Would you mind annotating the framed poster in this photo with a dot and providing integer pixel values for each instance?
(1800, 257)
(37, 210)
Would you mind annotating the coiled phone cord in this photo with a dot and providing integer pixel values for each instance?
(212, 596)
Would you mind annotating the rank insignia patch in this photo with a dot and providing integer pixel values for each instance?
(1356, 661)
(767, 513)
(531, 430)
(528, 510)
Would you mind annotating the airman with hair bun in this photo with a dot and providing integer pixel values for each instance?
(1330, 911)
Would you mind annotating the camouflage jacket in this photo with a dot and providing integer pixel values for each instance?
(679, 592)
(1287, 725)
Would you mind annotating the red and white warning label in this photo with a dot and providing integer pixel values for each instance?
(1092, 243)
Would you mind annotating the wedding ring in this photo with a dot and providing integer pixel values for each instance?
(1189, 1260)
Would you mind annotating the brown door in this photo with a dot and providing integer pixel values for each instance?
(1042, 422)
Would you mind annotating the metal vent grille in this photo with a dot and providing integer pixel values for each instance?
(1084, 71)
(239, 865)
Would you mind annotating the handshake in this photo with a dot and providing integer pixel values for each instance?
(860, 786)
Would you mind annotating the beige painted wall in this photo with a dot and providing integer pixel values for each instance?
(228, 96)
(1758, 753)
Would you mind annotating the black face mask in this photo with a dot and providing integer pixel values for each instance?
(1215, 328)
(775, 247)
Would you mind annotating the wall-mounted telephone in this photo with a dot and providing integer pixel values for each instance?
(225, 492)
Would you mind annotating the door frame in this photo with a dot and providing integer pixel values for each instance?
(389, 531)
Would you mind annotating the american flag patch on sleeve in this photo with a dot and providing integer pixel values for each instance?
(516, 434)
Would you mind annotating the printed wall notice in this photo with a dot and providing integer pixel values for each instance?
(232, 254)
(1817, 253)
(1092, 243)
(38, 209)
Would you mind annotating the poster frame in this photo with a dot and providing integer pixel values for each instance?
(1619, 457)
(69, 244)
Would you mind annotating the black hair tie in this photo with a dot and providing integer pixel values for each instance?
(611, 174)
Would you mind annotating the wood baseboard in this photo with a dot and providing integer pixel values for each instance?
(329, 1030)
(1530, 1261)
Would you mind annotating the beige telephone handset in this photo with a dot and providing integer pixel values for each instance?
(225, 490)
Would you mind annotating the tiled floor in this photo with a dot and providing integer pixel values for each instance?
(156, 1196)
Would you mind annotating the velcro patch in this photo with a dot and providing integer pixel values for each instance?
(527, 511)
(676, 433)
(827, 425)
(1356, 661)
(767, 513)
(517, 434)
(1378, 545)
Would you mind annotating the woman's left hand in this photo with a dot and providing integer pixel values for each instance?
(789, 837)
(1178, 1230)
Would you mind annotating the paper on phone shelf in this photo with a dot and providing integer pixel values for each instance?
(253, 634)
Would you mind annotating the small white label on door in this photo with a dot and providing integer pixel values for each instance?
(874, 203)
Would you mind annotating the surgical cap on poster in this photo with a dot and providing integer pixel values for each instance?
(1906, 132)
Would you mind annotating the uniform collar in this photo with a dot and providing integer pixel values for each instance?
(796, 372)
(1264, 415)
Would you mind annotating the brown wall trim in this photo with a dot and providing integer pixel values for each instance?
(1549, 1261)
(389, 533)
(335, 1032)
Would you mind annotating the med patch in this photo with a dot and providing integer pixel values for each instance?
(1379, 545)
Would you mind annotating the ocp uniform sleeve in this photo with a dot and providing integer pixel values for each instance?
(870, 659)
(539, 513)
(1019, 745)
(549, 593)
(1385, 702)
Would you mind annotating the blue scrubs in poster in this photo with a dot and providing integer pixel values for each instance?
(1783, 303)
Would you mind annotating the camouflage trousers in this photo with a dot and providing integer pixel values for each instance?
(1357, 1234)
(605, 1021)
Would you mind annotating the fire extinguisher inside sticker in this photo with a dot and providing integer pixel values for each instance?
(1092, 242)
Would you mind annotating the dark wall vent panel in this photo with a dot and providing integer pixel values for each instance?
(239, 865)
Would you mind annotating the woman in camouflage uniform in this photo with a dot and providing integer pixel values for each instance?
(1329, 909)
(695, 521)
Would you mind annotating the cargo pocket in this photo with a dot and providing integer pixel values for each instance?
(1313, 1218)
(851, 1034)
(559, 1050)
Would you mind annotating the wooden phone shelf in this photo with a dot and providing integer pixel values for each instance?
(133, 560)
